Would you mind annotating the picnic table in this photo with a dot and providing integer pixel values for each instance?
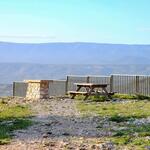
(90, 89)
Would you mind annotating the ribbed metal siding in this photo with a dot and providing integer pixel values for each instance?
(100, 80)
(57, 88)
(124, 84)
(74, 79)
(144, 85)
(20, 89)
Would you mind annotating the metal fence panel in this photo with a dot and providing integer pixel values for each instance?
(100, 80)
(125, 84)
(144, 85)
(57, 88)
(74, 79)
(20, 89)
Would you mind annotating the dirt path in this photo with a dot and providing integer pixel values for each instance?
(58, 126)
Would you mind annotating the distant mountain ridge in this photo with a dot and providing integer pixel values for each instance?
(74, 53)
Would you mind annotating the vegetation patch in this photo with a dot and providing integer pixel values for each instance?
(131, 109)
(13, 117)
(121, 118)
(124, 96)
(94, 98)
(100, 98)
(133, 135)
(131, 96)
(118, 118)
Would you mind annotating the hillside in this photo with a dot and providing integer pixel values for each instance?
(6, 90)
(10, 72)
(74, 53)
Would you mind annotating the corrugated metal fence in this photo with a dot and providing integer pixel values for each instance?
(131, 84)
(74, 79)
(20, 89)
(57, 88)
(126, 84)
(87, 79)
(144, 85)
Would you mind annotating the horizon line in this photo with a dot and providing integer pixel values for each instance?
(75, 42)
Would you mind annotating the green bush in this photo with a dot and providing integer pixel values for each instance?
(124, 96)
(131, 96)
(118, 118)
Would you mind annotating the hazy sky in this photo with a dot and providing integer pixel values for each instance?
(102, 21)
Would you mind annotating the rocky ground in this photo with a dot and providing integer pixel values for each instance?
(59, 126)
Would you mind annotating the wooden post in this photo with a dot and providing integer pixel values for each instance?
(88, 79)
(111, 83)
(13, 88)
(137, 84)
(66, 88)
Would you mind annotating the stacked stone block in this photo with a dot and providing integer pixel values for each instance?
(37, 89)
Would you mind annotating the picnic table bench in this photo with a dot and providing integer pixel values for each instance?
(91, 89)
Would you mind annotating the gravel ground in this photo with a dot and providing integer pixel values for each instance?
(59, 126)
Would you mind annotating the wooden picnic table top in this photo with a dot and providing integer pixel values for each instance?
(91, 84)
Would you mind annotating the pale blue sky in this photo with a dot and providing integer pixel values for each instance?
(102, 21)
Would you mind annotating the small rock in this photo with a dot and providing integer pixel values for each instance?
(66, 134)
(70, 147)
(94, 147)
(107, 146)
(50, 144)
(83, 148)
(49, 133)
(147, 147)
(7, 122)
(45, 136)
(48, 124)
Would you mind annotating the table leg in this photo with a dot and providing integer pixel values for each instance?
(73, 96)
(89, 91)
(106, 93)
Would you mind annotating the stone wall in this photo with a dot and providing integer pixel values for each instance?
(37, 89)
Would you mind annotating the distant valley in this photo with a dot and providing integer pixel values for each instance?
(10, 72)
(6, 90)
